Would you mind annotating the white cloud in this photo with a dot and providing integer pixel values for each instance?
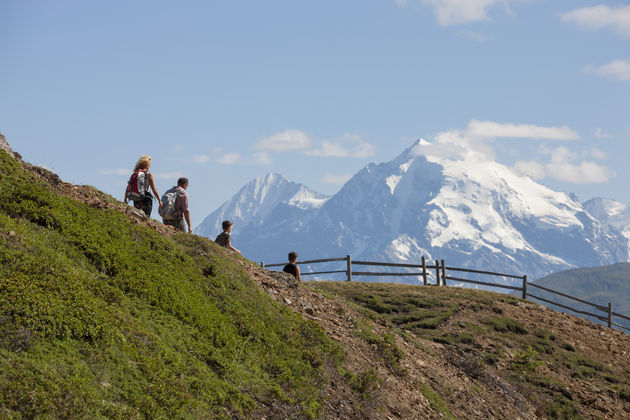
(201, 158)
(601, 134)
(336, 178)
(349, 145)
(346, 146)
(119, 171)
(455, 145)
(472, 35)
(262, 158)
(562, 154)
(491, 129)
(533, 169)
(447, 145)
(595, 153)
(562, 167)
(582, 173)
(284, 141)
(616, 69)
(601, 16)
(561, 163)
(400, 2)
(457, 12)
(229, 158)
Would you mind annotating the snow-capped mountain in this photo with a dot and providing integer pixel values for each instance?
(611, 212)
(260, 201)
(445, 199)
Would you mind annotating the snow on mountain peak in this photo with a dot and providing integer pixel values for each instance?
(257, 200)
(447, 198)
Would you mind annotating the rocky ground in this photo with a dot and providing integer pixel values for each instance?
(468, 390)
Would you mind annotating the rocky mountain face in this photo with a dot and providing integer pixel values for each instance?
(265, 203)
(611, 213)
(442, 200)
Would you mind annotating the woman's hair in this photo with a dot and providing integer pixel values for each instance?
(143, 163)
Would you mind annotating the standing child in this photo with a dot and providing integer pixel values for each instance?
(292, 267)
(223, 238)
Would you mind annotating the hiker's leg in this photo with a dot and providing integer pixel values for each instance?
(147, 204)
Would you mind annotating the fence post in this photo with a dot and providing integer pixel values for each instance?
(609, 315)
(424, 270)
(443, 273)
(437, 273)
(262, 264)
(524, 287)
(349, 261)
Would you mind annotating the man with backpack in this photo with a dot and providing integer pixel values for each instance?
(174, 210)
(138, 186)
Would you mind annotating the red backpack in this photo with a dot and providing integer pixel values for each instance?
(137, 185)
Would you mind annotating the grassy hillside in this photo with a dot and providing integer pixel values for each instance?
(103, 317)
(106, 314)
(599, 285)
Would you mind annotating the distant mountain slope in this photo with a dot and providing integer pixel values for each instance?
(599, 285)
(611, 213)
(444, 199)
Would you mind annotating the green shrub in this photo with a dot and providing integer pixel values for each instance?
(436, 402)
(526, 361)
(392, 355)
(365, 383)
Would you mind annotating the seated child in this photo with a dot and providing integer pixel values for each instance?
(223, 238)
(292, 267)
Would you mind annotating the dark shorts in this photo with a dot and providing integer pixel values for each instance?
(145, 205)
(179, 224)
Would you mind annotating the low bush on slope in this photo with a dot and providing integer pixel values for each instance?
(103, 317)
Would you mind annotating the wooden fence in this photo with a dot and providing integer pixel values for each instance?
(438, 270)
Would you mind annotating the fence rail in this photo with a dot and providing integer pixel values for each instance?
(439, 269)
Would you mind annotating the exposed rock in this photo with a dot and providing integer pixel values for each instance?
(307, 307)
(284, 278)
(5, 146)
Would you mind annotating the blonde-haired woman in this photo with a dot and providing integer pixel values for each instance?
(138, 186)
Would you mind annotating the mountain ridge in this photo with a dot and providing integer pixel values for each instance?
(445, 199)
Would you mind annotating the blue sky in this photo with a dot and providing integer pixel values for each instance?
(222, 92)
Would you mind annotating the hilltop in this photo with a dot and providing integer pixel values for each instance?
(105, 313)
